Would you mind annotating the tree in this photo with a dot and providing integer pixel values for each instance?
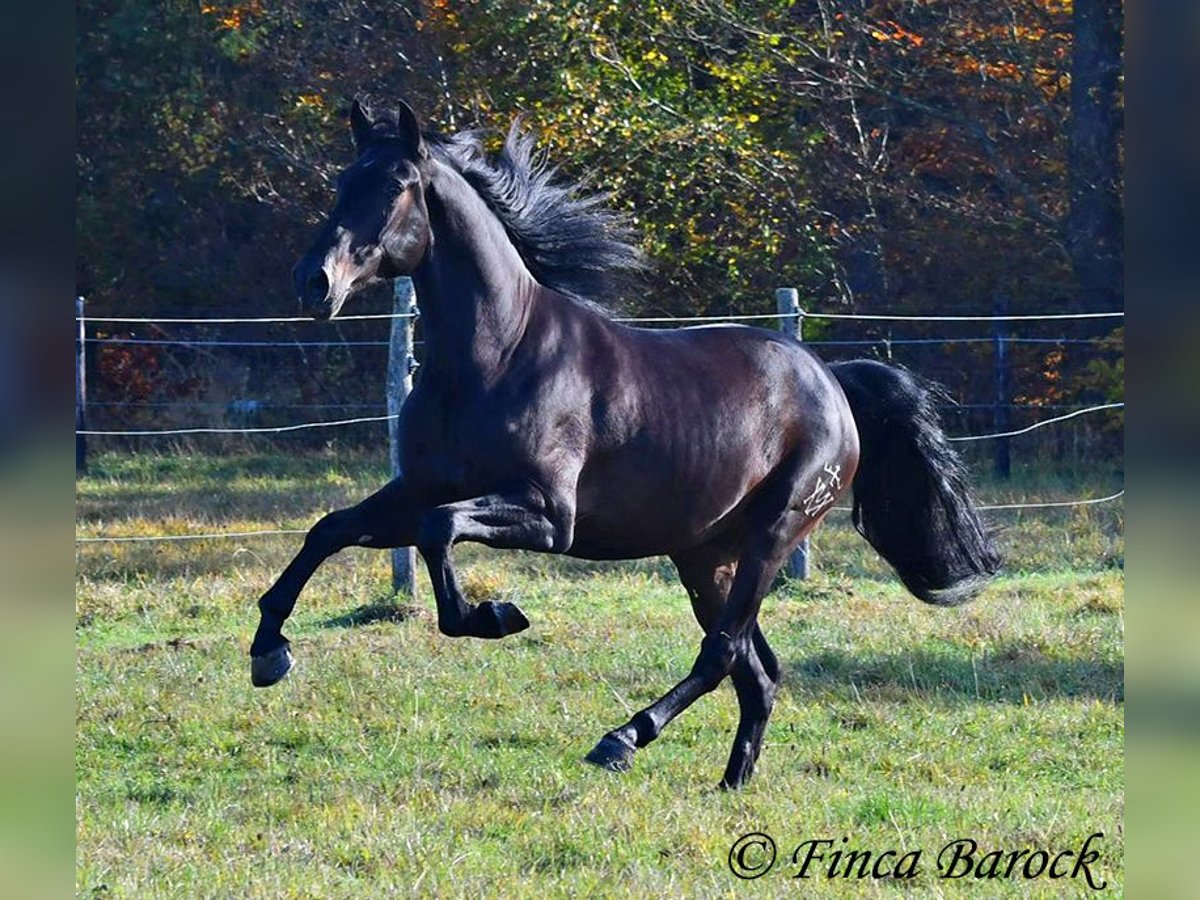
(677, 123)
(1095, 222)
(894, 156)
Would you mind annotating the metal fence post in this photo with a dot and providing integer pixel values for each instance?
(791, 322)
(399, 382)
(81, 464)
(1002, 461)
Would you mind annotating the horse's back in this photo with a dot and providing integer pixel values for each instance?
(686, 424)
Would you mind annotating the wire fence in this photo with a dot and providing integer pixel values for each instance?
(246, 408)
(308, 345)
(361, 420)
(677, 320)
(275, 532)
(334, 423)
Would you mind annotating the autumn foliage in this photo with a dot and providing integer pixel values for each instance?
(879, 156)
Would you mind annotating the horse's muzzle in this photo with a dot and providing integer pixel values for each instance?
(314, 295)
(319, 300)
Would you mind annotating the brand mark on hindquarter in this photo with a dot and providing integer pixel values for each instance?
(822, 494)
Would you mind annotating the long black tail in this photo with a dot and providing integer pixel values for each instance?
(910, 494)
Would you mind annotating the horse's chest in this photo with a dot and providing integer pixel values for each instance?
(455, 448)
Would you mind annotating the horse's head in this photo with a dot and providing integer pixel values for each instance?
(379, 226)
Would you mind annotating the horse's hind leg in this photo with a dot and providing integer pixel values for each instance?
(726, 648)
(708, 577)
(755, 679)
(774, 526)
(388, 518)
(782, 513)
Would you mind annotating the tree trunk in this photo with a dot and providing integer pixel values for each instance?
(1095, 222)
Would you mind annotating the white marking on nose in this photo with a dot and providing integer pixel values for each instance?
(366, 538)
(338, 265)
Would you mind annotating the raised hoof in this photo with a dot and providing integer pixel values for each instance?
(271, 667)
(497, 620)
(612, 754)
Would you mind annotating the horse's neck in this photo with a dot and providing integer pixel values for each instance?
(473, 289)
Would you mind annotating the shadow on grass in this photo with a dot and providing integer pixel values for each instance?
(1015, 673)
(532, 564)
(382, 611)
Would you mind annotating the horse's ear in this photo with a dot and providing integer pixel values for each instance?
(408, 129)
(361, 124)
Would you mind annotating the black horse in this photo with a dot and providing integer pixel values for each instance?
(538, 423)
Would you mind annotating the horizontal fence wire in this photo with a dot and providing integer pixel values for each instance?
(186, 342)
(1019, 317)
(226, 320)
(898, 342)
(1056, 504)
(245, 406)
(264, 430)
(301, 345)
(863, 317)
(152, 538)
(248, 406)
(1052, 504)
(1041, 424)
(367, 419)
(662, 320)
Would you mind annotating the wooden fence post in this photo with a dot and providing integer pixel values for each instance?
(81, 464)
(791, 322)
(399, 382)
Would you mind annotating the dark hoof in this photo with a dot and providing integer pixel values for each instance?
(269, 668)
(613, 754)
(497, 620)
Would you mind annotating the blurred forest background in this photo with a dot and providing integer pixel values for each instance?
(909, 157)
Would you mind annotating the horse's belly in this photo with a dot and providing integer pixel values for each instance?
(651, 517)
(595, 540)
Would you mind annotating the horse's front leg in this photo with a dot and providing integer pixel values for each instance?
(388, 518)
(522, 519)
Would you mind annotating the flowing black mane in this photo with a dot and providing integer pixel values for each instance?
(570, 241)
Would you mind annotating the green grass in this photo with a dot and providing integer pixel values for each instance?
(396, 761)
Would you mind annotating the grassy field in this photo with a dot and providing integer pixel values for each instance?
(396, 761)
